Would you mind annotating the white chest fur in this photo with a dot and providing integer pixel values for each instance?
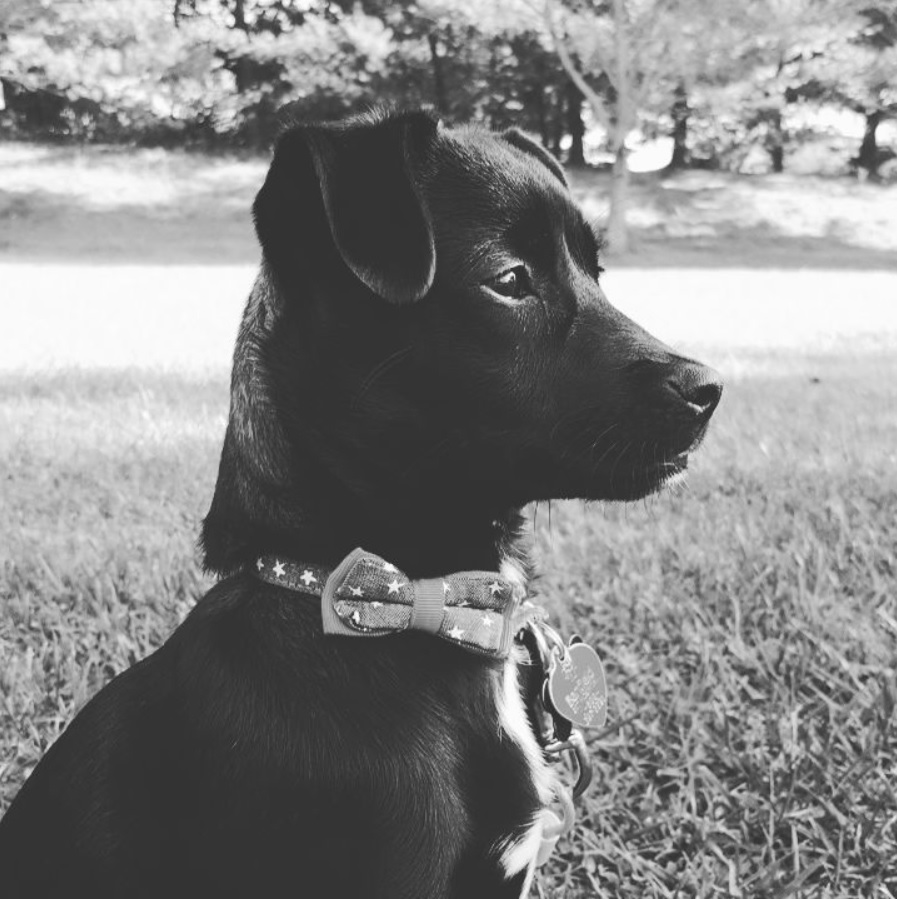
(517, 852)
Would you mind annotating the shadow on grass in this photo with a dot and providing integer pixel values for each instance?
(163, 209)
(41, 226)
(757, 247)
(721, 220)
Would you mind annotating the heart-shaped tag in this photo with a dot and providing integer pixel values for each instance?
(577, 687)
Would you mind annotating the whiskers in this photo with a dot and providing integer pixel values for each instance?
(677, 484)
(571, 438)
(536, 506)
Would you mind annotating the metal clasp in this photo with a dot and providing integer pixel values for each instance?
(576, 745)
(548, 642)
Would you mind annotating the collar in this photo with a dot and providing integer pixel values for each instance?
(298, 576)
(366, 596)
(479, 611)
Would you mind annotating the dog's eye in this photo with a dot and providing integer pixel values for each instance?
(514, 284)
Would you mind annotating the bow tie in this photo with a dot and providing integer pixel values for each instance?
(365, 596)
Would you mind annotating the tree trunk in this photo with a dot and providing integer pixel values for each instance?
(240, 15)
(438, 75)
(542, 116)
(775, 141)
(680, 112)
(557, 122)
(619, 121)
(868, 156)
(241, 68)
(557, 136)
(625, 119)
(539, 103)
(617, 230)
(575, 127)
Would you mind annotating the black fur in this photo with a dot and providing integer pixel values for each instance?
(383, 396)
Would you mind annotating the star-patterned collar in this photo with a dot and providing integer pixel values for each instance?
(367, 596)
(308, 579)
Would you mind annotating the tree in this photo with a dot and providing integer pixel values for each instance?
(573, 99)
(773, 46)
(600, 46)
(619, 54)
(121, 60)
(632, 57)
(858, 68)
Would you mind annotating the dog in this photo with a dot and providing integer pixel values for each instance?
(426, 350)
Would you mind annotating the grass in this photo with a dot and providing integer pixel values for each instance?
(749, 628)
(115, 205)
(748, 624)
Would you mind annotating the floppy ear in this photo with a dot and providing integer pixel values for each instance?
(352, 188)
(529, 145)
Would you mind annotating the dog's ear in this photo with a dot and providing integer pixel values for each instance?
(352, 188)
(530, 145)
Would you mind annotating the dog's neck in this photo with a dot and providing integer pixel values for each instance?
(274, 496)
(318, 520)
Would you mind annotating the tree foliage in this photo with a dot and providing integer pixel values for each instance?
(719, 75)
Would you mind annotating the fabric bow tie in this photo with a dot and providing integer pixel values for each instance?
(365, 596)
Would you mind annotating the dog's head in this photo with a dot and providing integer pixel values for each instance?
(430, 323)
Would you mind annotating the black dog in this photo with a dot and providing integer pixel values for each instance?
(426, 350)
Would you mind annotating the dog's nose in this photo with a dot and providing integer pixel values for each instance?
(699, 386)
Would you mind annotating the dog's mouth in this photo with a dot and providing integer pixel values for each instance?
(645, 476)
(675, 465)
(634, 465)
(666, 472)
(676, 472)
(636, 477)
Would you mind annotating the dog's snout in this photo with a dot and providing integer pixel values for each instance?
(698, 386)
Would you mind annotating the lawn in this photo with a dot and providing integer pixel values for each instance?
(112, 205)
(748, 622)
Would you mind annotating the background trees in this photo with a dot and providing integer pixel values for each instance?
(858, 69)
(721, 79)
(630, 57)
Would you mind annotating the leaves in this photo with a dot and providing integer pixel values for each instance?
(223, 67)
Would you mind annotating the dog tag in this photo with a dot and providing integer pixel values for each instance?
(577, 687)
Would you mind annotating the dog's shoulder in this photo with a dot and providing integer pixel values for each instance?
(265, 645)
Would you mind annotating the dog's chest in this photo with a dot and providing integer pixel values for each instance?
(512, 714)
(517, 851)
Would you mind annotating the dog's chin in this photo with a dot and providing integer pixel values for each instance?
(634, 482)
(671, 473)
(649, 479)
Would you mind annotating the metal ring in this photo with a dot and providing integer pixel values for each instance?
(555, 638)
(541, 644)
(577, 745)
(583, 761)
